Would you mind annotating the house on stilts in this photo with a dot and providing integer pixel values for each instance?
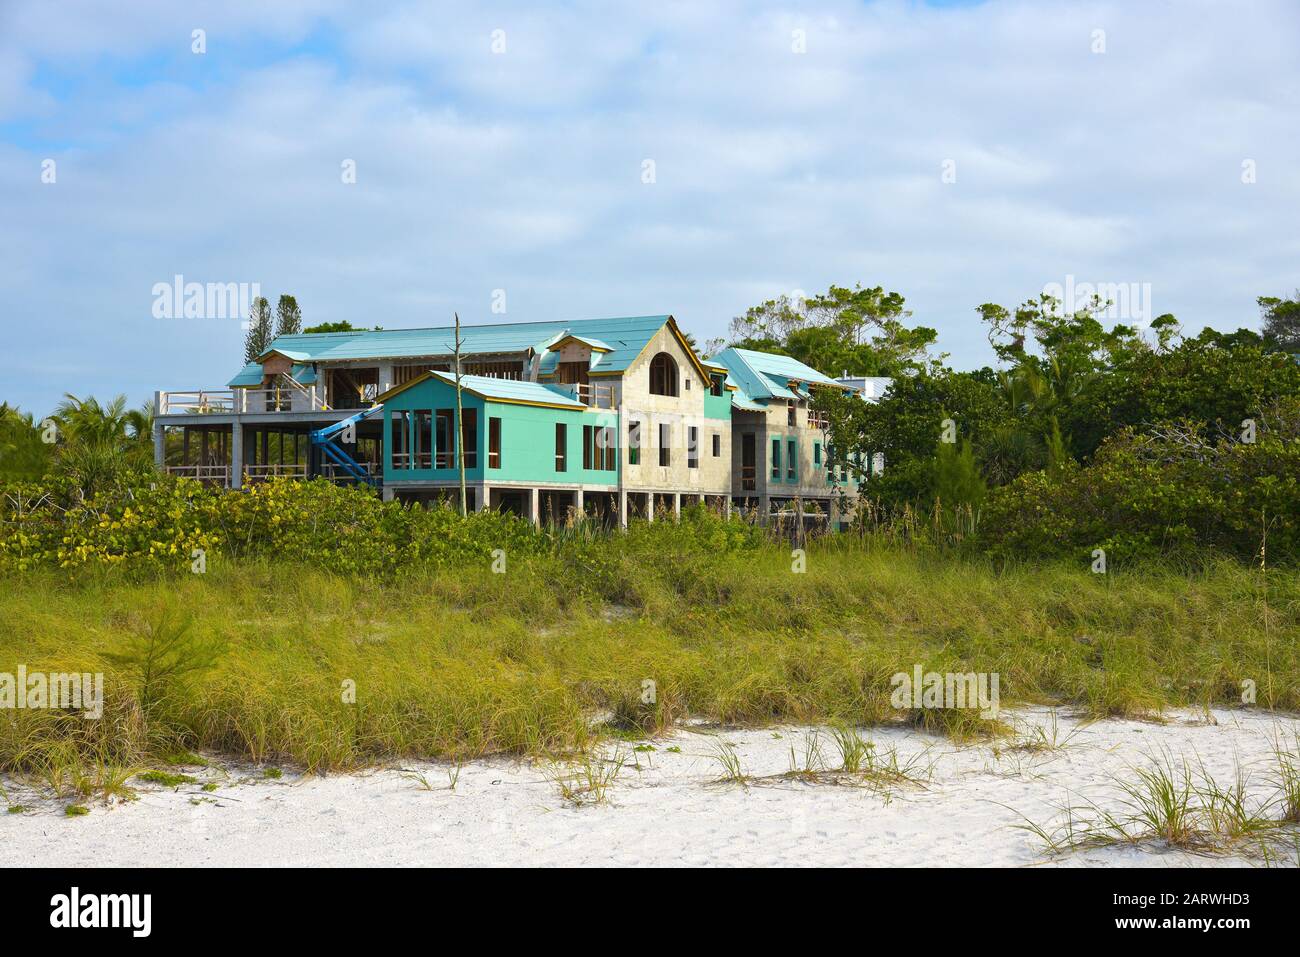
(614, 418)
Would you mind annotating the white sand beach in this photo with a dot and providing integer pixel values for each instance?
(665, 806)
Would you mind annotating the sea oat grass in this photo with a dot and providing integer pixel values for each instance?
(329, 671)
(1175, 802)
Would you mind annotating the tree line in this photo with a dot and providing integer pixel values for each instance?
(1072, 406)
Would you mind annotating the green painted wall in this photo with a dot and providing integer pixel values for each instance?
(528, 445)
(717, 406)
(527, 440)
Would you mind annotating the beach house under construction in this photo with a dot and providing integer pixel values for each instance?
(615, 418)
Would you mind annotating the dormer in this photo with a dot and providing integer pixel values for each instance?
(571, 359)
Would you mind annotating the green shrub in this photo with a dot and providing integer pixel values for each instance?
(1177, 491)
(177, 524)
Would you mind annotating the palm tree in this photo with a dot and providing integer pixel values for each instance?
(100, 443)
(139, 429)
(1036, 392)
(85, 420)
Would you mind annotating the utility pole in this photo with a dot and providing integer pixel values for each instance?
(459, 438)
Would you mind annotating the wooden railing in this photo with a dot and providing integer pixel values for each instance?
(428, 460)
(220, 474)
(202, 473)
(260, 473)
(334, 472)
(196, 403)
(748, 478)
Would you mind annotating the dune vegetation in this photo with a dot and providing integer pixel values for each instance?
(596, 635)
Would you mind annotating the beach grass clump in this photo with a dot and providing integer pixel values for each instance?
(587, 780)
(728, 761)
(1048, 738)
(1177, 803)
(1286, 777)
(860, 763)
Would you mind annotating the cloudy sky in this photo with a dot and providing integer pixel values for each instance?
(959, 153)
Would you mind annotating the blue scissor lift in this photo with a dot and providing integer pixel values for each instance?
(323, 439)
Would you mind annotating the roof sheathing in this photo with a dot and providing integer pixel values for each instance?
(765, 375)
(625, 337)
(514, 391)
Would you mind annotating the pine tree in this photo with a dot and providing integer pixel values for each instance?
(288, 317)
(957, 479)
(259, 335)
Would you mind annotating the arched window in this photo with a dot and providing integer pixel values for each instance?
(663, 375)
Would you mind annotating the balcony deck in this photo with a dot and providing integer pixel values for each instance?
(240, 401)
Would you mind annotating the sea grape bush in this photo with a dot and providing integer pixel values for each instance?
(164, 523)
(159, 524)
(1178, 490)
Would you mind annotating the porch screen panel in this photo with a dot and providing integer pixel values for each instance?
(423, 440)
(469, 437)
(401, 439)
(445, 452)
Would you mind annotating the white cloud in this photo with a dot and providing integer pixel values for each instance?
(775, 170)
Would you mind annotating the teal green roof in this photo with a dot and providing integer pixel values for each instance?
(501, 390)
(625, 338)
(250, 377)
(765, 375)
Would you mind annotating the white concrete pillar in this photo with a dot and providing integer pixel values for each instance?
(535, 506)
(650, 506)
(389, 493)
(764, 509)
(677, 506)
(159, 446)
(579, 502)
(726, 506)
(484, 495)
(622, 508)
